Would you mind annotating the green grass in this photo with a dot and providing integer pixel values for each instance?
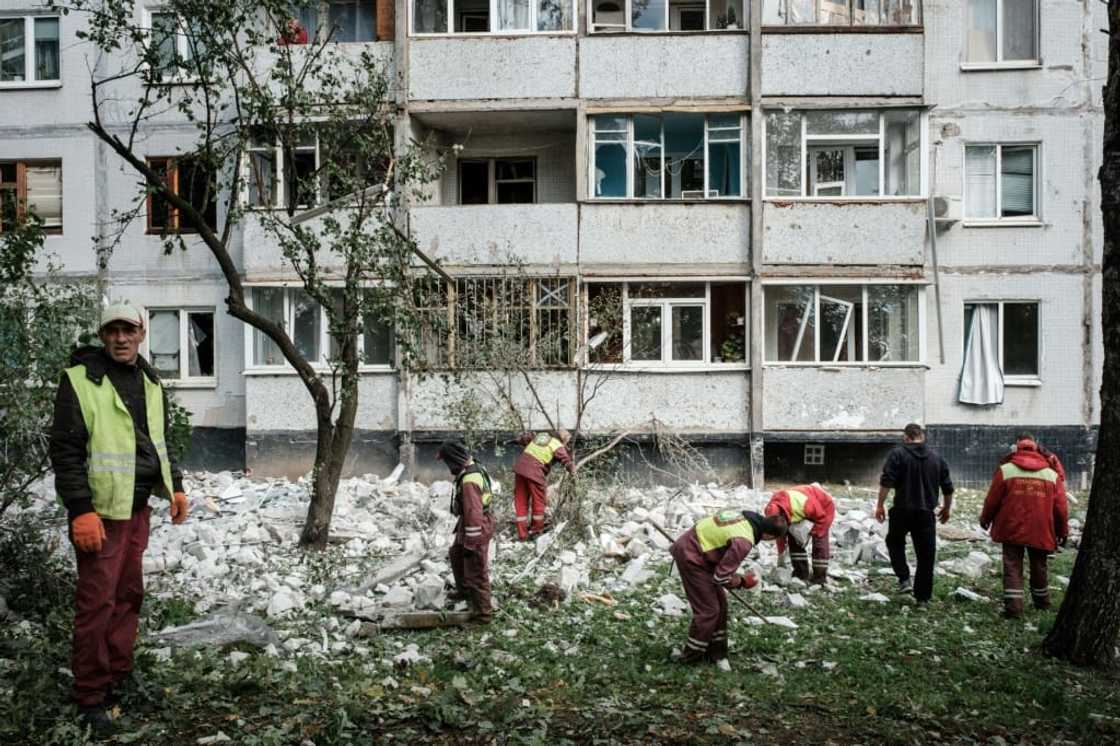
(955, 670)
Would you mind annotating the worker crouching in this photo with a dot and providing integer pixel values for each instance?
(530, 480)
(470, 551)
(809, 510)
(708, 556)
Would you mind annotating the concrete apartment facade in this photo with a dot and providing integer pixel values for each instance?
(806, 209)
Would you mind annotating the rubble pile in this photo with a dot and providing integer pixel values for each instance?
(237, 556)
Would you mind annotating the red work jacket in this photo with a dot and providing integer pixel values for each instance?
(1026, 504)
(817, 508)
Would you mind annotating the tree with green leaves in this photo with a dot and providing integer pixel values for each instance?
(251, 87)
(42, 314)
(1088, 623)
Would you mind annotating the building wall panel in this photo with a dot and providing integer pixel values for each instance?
(281, 403)
(497, 234)
(500, 67)
(706, 402)
(672, 234)
(843, 233)
(806, 398)
(664, 66)
(834, 64)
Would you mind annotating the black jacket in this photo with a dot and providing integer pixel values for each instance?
(916, 473)
(70, 439)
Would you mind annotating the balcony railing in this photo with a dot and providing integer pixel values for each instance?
(841, 13)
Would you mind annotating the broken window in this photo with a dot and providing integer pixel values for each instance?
(485, 16)
(170, 332)
(22, 63)
(297, 313)
(188, 178)
(497, 181)
(175, 44)
(667, 15)
(844, 153)
(685, 323)
(1017, 336)
(374, 339)
(1000, 31)
(675, 155)
(31, 186)
(1000, 182)
(841, 12)
(289, 168)
(842, 324)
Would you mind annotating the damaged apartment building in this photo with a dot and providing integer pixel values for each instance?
(818, 220)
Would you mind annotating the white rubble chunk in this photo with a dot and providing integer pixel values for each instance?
(568, 557)
(283, 601)
(397, 597)
(339, 598)
(429, 593)
(796, 601)
(410, 656)
(568, 579)
(635, 573)
(218, 737)
(966, 594)
(724, 665)
(671, 604)
(878, 598)
(637, 548)
(237, 657)
(393, 477)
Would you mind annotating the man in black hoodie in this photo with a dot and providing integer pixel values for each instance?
(915, 473)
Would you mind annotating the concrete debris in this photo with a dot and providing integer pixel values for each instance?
(671, 605)
(636, 573)
(283, 601)
(430, 593)
(217, 630)
(410, 657)
(878, 598)
(796, 601)
(724, 665)
(965, 594)
(218, 737)
(777, 621)
(397, 597)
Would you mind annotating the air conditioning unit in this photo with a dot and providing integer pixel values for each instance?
(948, 208)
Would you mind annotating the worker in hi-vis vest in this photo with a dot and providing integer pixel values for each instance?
(708, 556)
(109, 454)
(810, 512)
(530, 477)
(470, 551)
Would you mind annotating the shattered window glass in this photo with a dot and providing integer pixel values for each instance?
(790, 323)
(841, 323)
(604, 323)
(200, 343)
(645, 333)
(305, 325)
(429, 16)
(610, 156)
(783, 154)
(892, 323)
(163, 343)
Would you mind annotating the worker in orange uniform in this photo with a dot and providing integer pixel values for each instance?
(530, 481)
(708, 556)
(470, 551)
(800, 506)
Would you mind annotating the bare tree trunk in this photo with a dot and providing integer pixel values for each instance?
(1088, 623)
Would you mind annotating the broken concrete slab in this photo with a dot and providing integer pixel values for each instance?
(430, 593)
(966, 594)
(415, 620)
(878, 598)
(796, 601)
(219, 629)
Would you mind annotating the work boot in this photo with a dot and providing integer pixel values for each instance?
(457, 595)
(96, 719)
(478, 614)
(690, 656)
(905, 586)
(820, 575)
(1041, 598)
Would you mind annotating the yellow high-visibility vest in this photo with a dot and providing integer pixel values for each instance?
(718, 530)
(544, 448)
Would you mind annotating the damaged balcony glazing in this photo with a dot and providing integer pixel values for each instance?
(841, 12)
(491, 16)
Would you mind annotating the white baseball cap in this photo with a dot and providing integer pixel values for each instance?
(122, 311)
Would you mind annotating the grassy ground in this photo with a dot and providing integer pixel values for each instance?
(586, 672)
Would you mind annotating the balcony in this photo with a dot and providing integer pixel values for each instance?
(844, 232)
(492, 67)
(542, 234)
(696, 65)
(845, 399)
(666, 233)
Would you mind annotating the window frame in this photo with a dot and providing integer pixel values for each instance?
(1021, 221)
(323, 11)
(742, 26)
(172, 171)
(865, 284)
(30, 80)
(534, 21)
(817, 26)
(492, 179)
(744, 158)
(666, 364)
(999, 63)
(322, 363)
(182, 43)
(185, 380)
(20, 189)
(853, 141)
(1025, 380)
(279, 176)
(813, 454)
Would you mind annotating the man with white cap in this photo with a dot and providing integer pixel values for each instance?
(109, 454)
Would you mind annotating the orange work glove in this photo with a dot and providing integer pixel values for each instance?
(179, 507)
(88, 532)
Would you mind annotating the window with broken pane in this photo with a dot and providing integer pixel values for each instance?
(31, 186)
(1000, 182)
(604, 323)
(1000, 31)
(497, 181)
(841, 12)
(173, 332)
(188, 178)
(728, 322)
(674, 155)
(842, 324)
(860, 153)
(1018, 336)
(485, 16)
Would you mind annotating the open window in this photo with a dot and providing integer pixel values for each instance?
(1001, 183)
(29, 51)
(668, 15)
(497, 181)
(857, 153)
(340, 21)
(669, 155)
(278, 171)
(843, 324)
(174, 46)
(181, 344)
(188, 178)
(1001, 32)
(841, 12)
(31, 187)
(491, 16)
(1017, 339)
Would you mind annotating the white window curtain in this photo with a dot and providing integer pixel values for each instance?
(513, 15)
(981, 376)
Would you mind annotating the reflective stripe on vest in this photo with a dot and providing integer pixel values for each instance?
(544, 448)
(797, 502)
(718, 530)
(111, 449)
(1012, 471)
(478, 481)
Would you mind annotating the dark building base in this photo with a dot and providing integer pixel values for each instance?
(215, 449)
